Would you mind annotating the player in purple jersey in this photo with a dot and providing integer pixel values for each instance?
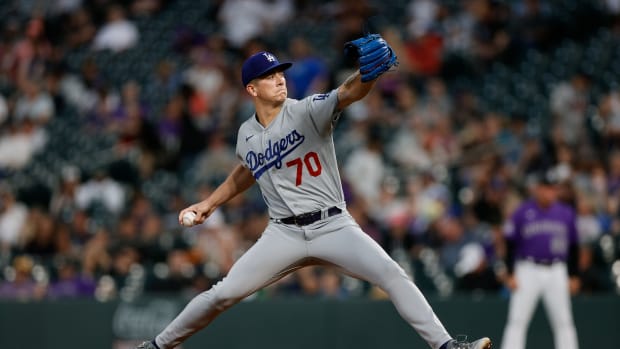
(541, 252)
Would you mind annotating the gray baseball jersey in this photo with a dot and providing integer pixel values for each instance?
(293, 158)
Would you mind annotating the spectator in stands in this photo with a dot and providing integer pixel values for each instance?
(153, 243)
(170, 128)
(609, 113)
(491, 35)
(422, 15)
(243, 20)
(127, 279)
(22, 287)
(29, 55)
(176, 275)
(79, 28)
(424, 47)
(127, 234)
(568, 101)
(118, 33)
(405, 145)
(13, 216)
(533, 157)
(310, 74)
(473, 271)
(96, 259)
(431, 201)
(34, 104)
(164, 82)
(392, 208)
(65, 248)
(141, 209)
(457, 27)
(80, 227)
(69, 282)
(369, 161)
(101, 190)
(206, 74)
(22, 141)
(216, 160)
(451, 239)
(105, 100)
(331, 284)
(130, 100)
(39, 236)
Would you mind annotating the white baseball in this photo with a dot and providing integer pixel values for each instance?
(188, 218)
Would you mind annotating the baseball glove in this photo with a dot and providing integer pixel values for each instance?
(374, 55)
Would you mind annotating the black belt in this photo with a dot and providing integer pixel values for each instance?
(308, 218)
(547, 262)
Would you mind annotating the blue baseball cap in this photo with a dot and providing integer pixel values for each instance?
(260, 64)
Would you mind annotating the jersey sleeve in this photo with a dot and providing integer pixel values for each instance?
(512, 226)
(322, 110)
(573, 234)
(238, 150)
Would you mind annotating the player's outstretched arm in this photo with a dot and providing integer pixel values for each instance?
(353, 89)
(239, 180)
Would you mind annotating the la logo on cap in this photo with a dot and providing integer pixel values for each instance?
(269, 56)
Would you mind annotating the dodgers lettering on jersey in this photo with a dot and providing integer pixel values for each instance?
(273, 153)
(542, 234)
(293, 158)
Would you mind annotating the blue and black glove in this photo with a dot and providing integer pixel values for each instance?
(374, 55)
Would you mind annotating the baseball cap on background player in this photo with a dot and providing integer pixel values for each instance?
(260, 64)
(544, 177)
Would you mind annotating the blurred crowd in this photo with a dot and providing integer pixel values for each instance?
(441, 173)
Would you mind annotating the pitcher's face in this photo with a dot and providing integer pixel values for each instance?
(270, 88)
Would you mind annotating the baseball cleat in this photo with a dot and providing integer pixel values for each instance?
(482, 343)
(146, 345)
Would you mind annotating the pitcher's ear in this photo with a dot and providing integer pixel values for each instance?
(251, 90)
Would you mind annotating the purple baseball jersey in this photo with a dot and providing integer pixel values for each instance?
(542, 234)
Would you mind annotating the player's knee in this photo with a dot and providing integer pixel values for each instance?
(225, 303)
(224, 297)
(393, 273)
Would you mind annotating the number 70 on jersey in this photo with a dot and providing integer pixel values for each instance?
(310, 161)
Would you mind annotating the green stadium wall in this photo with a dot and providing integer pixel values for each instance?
(286, 324)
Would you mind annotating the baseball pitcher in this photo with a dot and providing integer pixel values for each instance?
(287, 148)
(542, 249)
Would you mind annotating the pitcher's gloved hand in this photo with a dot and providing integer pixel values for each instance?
(374, 55)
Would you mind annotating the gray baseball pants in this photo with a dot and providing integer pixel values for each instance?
(282, 249)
